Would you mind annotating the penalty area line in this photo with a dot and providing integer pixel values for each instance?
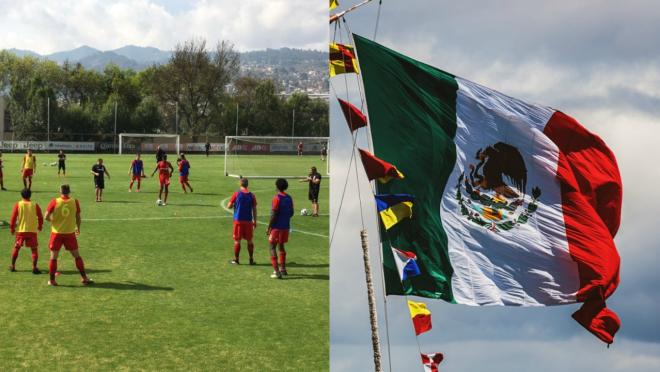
(156, 218)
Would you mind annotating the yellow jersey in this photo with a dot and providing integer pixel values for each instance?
(29, 162)
(63, 211)
(26, 217)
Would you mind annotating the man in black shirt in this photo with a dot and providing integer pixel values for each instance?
(99, 170)
(61, 166)
(314, 180)
(207, 148)
(160, 154)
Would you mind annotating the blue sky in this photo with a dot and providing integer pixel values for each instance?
(48, 26)
(598, 61)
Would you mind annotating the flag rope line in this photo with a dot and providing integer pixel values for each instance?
(367, 263)
(380, 3)
(372, 185)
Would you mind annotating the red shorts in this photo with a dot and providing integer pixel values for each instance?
(278, 236)
(243, 230)
(164, 179)
(136, 177)
(183, 179)
(27, 173)
(28, 239)
(68, 240)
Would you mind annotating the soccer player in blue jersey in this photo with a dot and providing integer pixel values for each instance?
(184, 171)
(245, 219)
(136, 171)
(278, 228)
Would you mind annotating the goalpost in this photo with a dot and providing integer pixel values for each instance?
(122, 137)
(274, 157)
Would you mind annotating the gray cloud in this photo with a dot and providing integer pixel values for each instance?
(597, 61)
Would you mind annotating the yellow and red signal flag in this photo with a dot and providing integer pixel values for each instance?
(421, 317)
(378, 169)
(342, 59)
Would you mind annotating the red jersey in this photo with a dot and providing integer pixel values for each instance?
(164, 168)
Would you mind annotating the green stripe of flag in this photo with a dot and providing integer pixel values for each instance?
(412, 113)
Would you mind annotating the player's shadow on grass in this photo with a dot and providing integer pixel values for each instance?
(89, 271)
(125, 286)
(308, 276)
(121, 201)
(294, 264)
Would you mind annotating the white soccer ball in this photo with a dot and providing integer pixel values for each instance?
(304, 212)
(159, 202)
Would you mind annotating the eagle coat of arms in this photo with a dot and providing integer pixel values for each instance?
(485, 198)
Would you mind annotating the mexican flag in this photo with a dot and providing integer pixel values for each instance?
(515, 204)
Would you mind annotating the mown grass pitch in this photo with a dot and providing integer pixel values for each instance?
(165, 296)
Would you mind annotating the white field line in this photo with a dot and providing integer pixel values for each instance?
(223, 204)
(156, 218)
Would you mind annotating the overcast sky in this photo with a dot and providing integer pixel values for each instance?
(598, 61)
(50, 26)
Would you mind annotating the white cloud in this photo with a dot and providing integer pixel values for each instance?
(49, 26)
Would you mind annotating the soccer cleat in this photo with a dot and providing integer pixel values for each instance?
(12, 269)
(276, 275)
(129, 190)
(234, 262)
(283, 272)
(3, 189)
(252, 262)
(86, 281)
(36, 271)
(52, 283)
(164, 204)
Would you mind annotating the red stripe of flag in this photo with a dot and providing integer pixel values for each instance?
(591, 193)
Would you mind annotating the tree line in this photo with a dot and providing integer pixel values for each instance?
(202, 87)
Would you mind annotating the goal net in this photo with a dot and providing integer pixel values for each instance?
(146, 143)
(275, 157)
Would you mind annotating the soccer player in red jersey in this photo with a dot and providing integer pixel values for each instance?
(2, 180)
(64, 216)
(165, 170)
(184, 171)
(245, 219)
(26, 221)
(278, 228)
(136, 171)
(28, 168)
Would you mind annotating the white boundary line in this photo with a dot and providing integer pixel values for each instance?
(156, 218)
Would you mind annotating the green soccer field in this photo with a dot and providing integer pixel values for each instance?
(165, 296)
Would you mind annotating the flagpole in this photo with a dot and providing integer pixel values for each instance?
(375, 342)
(335, 17)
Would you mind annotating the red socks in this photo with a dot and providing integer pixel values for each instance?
(14, 255)
(35, 257)
(251, 249)
(80, 265)
(52, 268)
(282, 259)
(237, 250)
(273, 261)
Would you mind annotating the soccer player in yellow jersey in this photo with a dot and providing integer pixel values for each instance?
(26, 221)
(28, 168)
(64, 216)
